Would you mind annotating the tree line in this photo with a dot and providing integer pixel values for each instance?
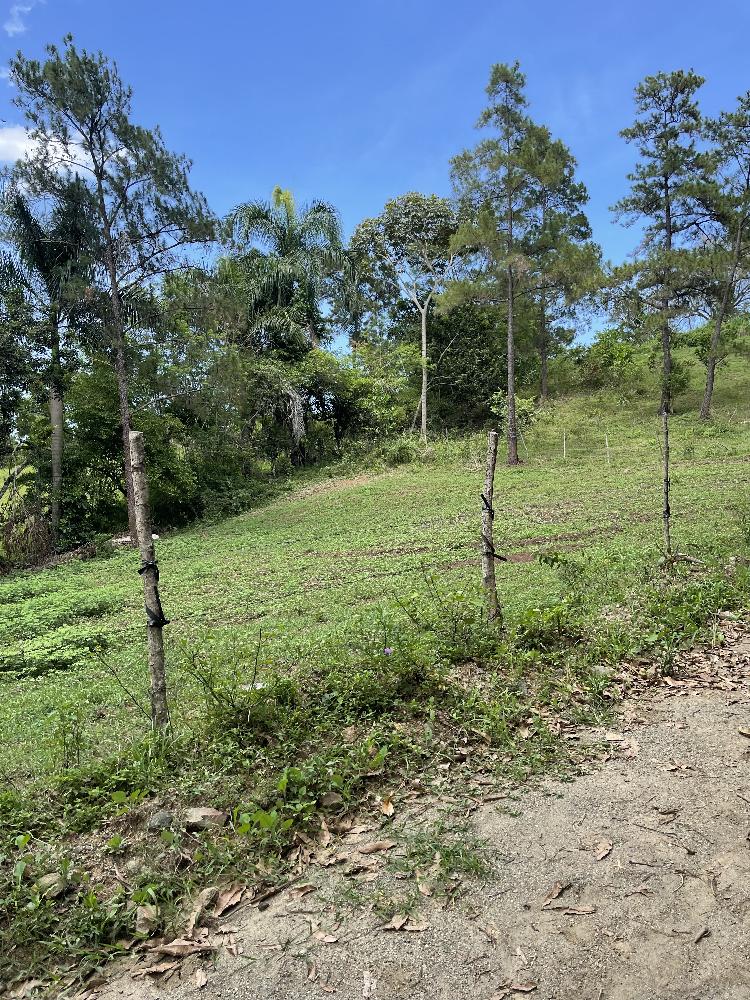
(125, 302)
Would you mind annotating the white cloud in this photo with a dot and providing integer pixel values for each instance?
(15, 25)
(15, 143)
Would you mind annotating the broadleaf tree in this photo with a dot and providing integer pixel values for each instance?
(410, 255)
(50, 255)
(78, 111)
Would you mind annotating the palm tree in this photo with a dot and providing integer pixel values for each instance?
(50, 261)
(287, 255)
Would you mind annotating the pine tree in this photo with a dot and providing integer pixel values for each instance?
(664, 187)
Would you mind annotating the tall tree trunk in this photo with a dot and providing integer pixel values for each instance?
(423, 432)
(121, 371)
(713, 357)
(512, 431)
(666, 332)
(543, 347)
(354, 335)
(56, 416)
(713, 352)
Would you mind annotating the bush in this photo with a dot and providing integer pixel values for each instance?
(527, 412)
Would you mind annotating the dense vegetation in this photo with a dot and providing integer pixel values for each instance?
(314, 410)
(451, 307)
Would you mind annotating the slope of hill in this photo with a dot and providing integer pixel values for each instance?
(342, 625)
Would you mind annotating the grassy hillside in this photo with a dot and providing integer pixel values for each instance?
(332, 645)
(282, 582)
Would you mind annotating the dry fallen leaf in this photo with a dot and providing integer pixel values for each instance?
(557, 889)
(744, 732)
(325, 938)
(602, 849)
(506, 991)
(397, 921)
(387, 807)
(156, 970)
(228, 898)
(201, 979)
(490, 932)
(573, 911)
(203, 900)
(297, 891)
(414, 928)
(378, 845)
(181, 947)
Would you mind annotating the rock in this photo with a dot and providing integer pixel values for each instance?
(161, 820)
(133, 866)
(146, 918)
(51, 885)
(204, 819)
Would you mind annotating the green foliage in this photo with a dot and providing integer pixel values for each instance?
(611, 362)
(527, 412)
(283, 258)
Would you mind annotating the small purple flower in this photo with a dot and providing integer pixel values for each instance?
(388, 651)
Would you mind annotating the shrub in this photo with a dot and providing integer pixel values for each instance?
(527, 412)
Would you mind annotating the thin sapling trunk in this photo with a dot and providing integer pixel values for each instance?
(512, 429)
(56, 414)
(667, 511)
(488, 545)
(150, 572)
(423, 312)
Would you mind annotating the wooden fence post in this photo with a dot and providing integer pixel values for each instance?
(150, 573)
(606, 442)
(488, 547)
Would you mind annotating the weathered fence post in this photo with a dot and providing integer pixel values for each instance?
(565, 444)
(488, 516)
(667, 512)
(606, 443)
(150, 572)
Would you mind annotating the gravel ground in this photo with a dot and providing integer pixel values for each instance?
(631, 883)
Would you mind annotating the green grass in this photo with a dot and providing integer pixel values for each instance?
(352, 603)
(303, 570)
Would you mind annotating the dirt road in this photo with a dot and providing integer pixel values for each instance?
(631, 883)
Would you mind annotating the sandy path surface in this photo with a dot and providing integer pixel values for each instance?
(647, 858)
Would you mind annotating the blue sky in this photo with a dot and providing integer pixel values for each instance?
(356, 101)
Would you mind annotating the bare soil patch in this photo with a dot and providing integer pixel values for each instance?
(631, 882)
